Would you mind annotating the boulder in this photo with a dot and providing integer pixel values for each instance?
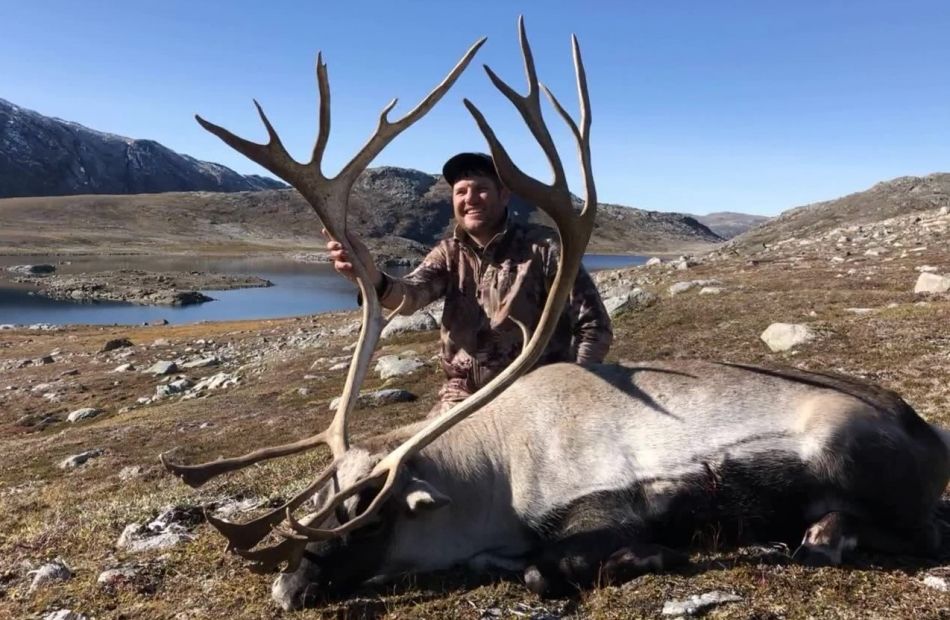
(398, 365)
(418, 322)
(784, 336)
(83, 414)
(932, 283)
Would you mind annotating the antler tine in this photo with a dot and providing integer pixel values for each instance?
(575, 231)
(323, 133)
(272, 155)
(387, 130)
(529, 106)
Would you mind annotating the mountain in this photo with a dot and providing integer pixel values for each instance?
(45, 156)
(727, 224)
(398, 211)
(885, 200)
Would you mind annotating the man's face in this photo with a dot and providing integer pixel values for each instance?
(479, 206)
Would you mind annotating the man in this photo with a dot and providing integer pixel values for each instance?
(490, 269)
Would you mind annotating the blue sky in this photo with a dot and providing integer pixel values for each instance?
(698, 106)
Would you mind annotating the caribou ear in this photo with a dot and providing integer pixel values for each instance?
(420, 496)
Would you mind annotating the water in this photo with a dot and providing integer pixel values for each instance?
(299, 289)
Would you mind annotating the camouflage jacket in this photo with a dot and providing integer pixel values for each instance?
(510, 276)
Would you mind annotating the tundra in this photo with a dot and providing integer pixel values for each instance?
(581, 475)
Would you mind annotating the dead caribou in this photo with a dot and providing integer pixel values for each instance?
(581, 475)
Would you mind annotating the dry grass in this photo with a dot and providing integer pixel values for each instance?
(78, 515)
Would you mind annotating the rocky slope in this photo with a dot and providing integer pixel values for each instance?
(885, 200)
(44, 156)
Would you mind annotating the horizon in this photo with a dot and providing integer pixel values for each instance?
(697, 109)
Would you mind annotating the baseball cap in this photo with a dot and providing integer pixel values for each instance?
(462, 163)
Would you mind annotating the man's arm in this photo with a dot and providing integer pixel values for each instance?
(592, 330)
(421, 287)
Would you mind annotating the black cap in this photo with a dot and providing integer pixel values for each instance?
(457, 166)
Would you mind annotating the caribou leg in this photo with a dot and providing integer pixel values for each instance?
(827, 540)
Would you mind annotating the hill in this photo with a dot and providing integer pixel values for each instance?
(45, 156)
(399, 211)
(885, 200)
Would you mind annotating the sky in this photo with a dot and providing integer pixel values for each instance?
(698, 106)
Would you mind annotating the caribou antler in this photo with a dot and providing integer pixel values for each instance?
(574, 229)
(329, 197)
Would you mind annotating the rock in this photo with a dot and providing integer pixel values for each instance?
(42, 361)
(124, 368)
(784, 336)
(131, 472)
(48, 573)
(932, 283)
(655, 260)
(83, 414)
(398, 365)
(680, 287)
(633, 300)
(214, 382)
(117, 576)
(203, 362)
(859, 311)
(420, 321)
(698, 603)
(926, 269)
(710, 290)
(76, 460)
(185, 298)
(937, 583)
(64, 614)
(32, 270)
(170, 528)
(162, 368)
(378, 398)
(340, 366)
(115, 343)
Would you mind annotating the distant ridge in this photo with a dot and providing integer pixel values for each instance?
(884, 200)
(46, 156)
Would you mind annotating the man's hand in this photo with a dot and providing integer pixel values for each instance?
(341, 260)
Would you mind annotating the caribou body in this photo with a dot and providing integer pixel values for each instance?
(573, 474)
(579, 475)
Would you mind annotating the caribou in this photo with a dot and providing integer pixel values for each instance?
(574, 475)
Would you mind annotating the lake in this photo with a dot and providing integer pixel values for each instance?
(299, 289)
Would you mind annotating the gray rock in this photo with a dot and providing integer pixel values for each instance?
(710, 290)
(116, 576)
(115, 343)
(131, 472)
(420, 321)
(937, 583)
(378, 398)
(398, 365)
(42, 361)
(32, 270)
(203, 362)
(76, 460)
(698, 603)
(64, 614)
(48, 573)
(124, 368)
(784, 336)
(83, 414)
(633, 300)
(655, 260)
(162, 368)
(932, 283)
